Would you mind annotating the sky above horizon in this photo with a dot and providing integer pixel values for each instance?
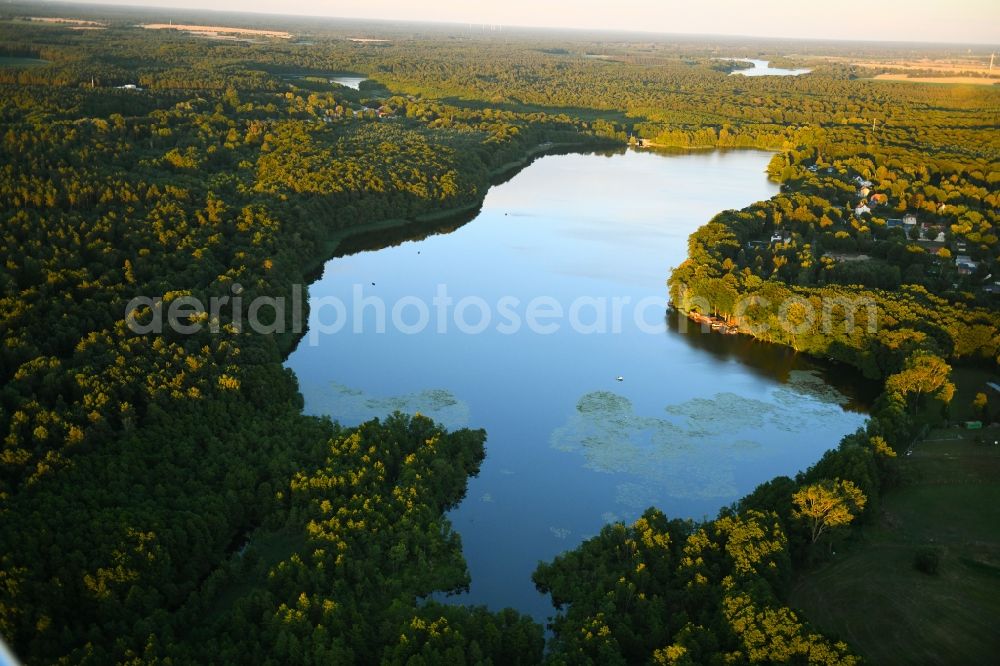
(957, 21)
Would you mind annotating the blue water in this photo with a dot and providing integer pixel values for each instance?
(697, 420)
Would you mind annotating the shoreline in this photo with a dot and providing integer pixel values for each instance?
(313, 266)
(497, 176)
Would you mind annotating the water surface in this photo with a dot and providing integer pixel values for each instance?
(349, 81)
(696, 421)
(763, 68)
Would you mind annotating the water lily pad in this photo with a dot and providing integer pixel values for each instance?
(723, 413)
(668, 459)
(809, 382)
(695, 451)
(351, 406)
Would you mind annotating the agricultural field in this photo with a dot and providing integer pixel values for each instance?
(216, 30)
(966, 80)
(968, 71)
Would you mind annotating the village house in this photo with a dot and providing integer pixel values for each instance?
(965, 264)
(932, 236)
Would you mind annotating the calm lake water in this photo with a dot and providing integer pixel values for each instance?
(349, 81)
(696, 421)
(762, 68)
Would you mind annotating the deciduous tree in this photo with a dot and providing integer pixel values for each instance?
(827, 504)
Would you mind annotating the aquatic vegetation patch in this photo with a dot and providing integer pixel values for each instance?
(560, 532)
(694, 451)
(725, 413)
(809, 382)
(351, 406)
(667, 458)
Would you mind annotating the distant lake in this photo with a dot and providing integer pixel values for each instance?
(697, 420)
(349, 81)
(762, 68)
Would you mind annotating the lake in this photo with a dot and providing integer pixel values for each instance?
(762, 68)
(349, 81)
(695, 421)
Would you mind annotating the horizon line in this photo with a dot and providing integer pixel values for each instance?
(520, 26)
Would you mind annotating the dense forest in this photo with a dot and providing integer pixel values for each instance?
(164, 500)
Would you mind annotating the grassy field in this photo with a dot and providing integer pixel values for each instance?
(873, 597)
(968, 382)
(11, 61)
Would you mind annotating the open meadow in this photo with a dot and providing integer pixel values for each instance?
(875, 598)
